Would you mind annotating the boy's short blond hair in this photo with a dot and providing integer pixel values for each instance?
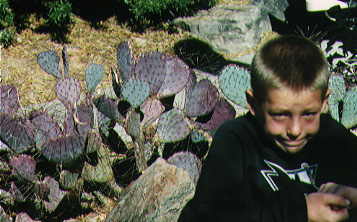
(289, 62)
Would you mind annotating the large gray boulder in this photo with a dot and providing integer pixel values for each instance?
(274, 7)
(229, 29)
(159, 194)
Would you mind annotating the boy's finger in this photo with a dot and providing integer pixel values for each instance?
(336, 200)
(328, 188)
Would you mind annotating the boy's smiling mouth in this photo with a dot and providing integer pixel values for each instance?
(291, 146)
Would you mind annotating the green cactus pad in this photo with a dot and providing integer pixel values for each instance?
(173, 126)
(349, 113)
(124, 58)
(49, 62)
(202, 98)
(135, 91)
(197, 137)
(94, 74)
(132, 124)
(108, 107)
(65, 62)
(233, 82)
(338, 91)
(68, 91)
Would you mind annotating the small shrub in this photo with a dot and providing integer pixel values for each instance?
(59, 18)
(6, 15)
(6, 23)
(154, 11)
(6, 37)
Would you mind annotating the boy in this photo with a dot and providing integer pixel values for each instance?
(274, 163)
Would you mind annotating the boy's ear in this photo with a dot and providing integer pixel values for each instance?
(324, 101)
(251, 101)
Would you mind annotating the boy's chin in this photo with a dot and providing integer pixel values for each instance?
(291, 148)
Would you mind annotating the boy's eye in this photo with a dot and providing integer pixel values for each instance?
(310, 114)
(279, 116)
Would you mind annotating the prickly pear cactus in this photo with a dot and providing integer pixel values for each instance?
(108, 107)
(132, 124)
(115, 83)
(9, 99)
(197, 137)
(124, 58)
(233, 82)
(187, 161)
(222, 112)
(84, 119)
(64, 150)
(202, 98)
(165, 74)
(152, 109)
(45, 129)
(94, 74)
(68, 91)
(24, 167)
(55, 195)
(65, 62)
(49, 62)
(176, 77)
(349, 113)
(136, 91)
(151, 67)
(17, 133)
(182, 96)
(338, 91)
(173, 126)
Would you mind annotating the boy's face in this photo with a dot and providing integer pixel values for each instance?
(289, 118)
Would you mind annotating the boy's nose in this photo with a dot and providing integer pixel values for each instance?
(294, 129)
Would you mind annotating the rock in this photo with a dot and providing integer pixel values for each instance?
(157, 195)
(229, 29)
(274, 7)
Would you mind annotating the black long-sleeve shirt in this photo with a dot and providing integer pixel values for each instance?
(245, 177)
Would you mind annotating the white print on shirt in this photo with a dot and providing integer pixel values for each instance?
(306, 174)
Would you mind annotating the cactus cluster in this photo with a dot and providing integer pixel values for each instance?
(152, 79)
(342, 102)
(39, 134)
(159, 105)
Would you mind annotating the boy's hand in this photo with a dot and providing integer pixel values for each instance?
(326, 207)
(347, 192)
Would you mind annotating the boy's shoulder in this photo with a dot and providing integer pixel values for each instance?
(329, 127)
(241, 126)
